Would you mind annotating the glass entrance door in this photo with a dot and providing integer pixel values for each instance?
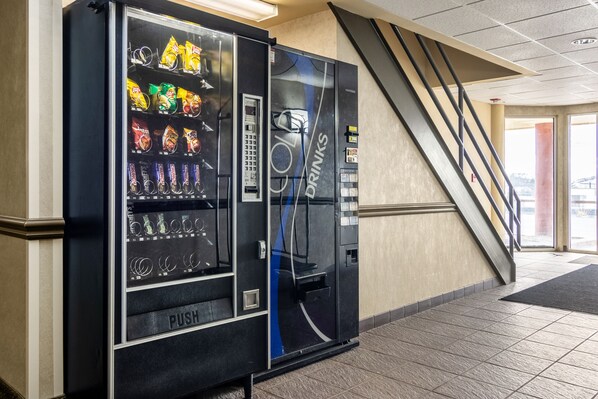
(582, 182)
(529, 156)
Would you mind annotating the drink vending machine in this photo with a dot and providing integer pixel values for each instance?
(314, 207)
(166, 247)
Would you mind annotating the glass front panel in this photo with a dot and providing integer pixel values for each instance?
(178, 150)
(529, 161)
(582, 182)
(302, 193)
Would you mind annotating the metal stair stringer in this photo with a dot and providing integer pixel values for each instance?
(404, 100)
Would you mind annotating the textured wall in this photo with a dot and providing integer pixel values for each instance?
(13, 310)
(13, 118)
(403, 259)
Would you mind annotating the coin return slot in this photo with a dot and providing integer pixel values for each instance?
(251, 299)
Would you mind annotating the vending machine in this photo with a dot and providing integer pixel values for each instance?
(314, 208)
(166, 200)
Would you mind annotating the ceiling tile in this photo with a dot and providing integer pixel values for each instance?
(456, 21)
(563, 43)
(491, 38)
(584, 56)
(543, 63)
(561, 23)
(593, 66)
(412, 9)
(521, 51)
(561, 73)
(507, 11)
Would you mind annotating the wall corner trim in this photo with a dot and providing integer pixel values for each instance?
(32, 228)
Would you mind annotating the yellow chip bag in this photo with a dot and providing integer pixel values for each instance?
(136, 96)
(191, 102)
(170, 54)
(192, 58)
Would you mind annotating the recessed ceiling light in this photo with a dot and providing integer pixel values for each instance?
(584, 41)
(255, 10)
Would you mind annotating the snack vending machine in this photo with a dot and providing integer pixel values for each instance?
(166, 200)
(314, 207)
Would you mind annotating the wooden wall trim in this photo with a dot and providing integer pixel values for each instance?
(32, 229)
(370, 211)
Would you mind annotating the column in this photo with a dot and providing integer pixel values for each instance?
(544, 179)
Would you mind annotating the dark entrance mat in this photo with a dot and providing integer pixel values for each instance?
(576, 291)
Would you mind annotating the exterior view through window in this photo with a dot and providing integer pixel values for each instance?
(582, 182)
(529, 160)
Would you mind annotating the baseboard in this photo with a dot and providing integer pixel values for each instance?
(423, 305)
(8, 392)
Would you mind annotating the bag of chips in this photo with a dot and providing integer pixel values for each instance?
(136, 96)
(191, 102)
(169, 59)
(191, 58)
(170, 140)
(193, 143)
(141, 135)
(164, 97)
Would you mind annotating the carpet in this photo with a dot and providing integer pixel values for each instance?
(576, 291)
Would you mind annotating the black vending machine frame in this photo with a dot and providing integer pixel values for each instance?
(346, 238)
(182, 362)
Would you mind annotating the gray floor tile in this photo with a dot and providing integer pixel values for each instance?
(393, 347)
(466, 388)
(519, 362)
(499, 376)
(401, 333)
(510, 330)
(303, 387)
(436, 327)
(487, 314)
(572, 331)
(369, 360)
(472, 302)
(518, 395)
(581, 359)
(457, 320)
(387, 388)
(545, 275)
(541, 387)
(227, 392)
(522, 272)
(525, 321)
(588, 347)
(420, 375)
(259, 394)
(278, 380)
(348, 395)
(540, 314)
(341, 375)
(551, 310)
(490, 339)
(580, 321)
(506, 307)
(572, 375)
(563, 341)
(531, 348)
(472, 350)
(447, 362)
(434, 395)
(454, 308)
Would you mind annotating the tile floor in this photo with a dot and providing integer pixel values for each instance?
(473, 347)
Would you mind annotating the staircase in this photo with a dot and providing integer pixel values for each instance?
(381, 45)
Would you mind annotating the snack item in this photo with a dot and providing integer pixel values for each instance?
(148, 185)
(141, 135)
(169, 59)
(175, 187)
(164, 97)
(196, 171)
(191, 58)
(193, 143)
(134, 185)
(161, 178)
(136, 96)
(191, 102)
(186, 177)
(170, 140)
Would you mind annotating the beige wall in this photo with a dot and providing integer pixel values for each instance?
(561, 115)
(403, 258)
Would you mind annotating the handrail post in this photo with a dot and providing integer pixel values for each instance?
(461, 127)
(511, 220)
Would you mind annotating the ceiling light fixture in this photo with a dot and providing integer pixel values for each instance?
(584, 41)
(255, 10)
